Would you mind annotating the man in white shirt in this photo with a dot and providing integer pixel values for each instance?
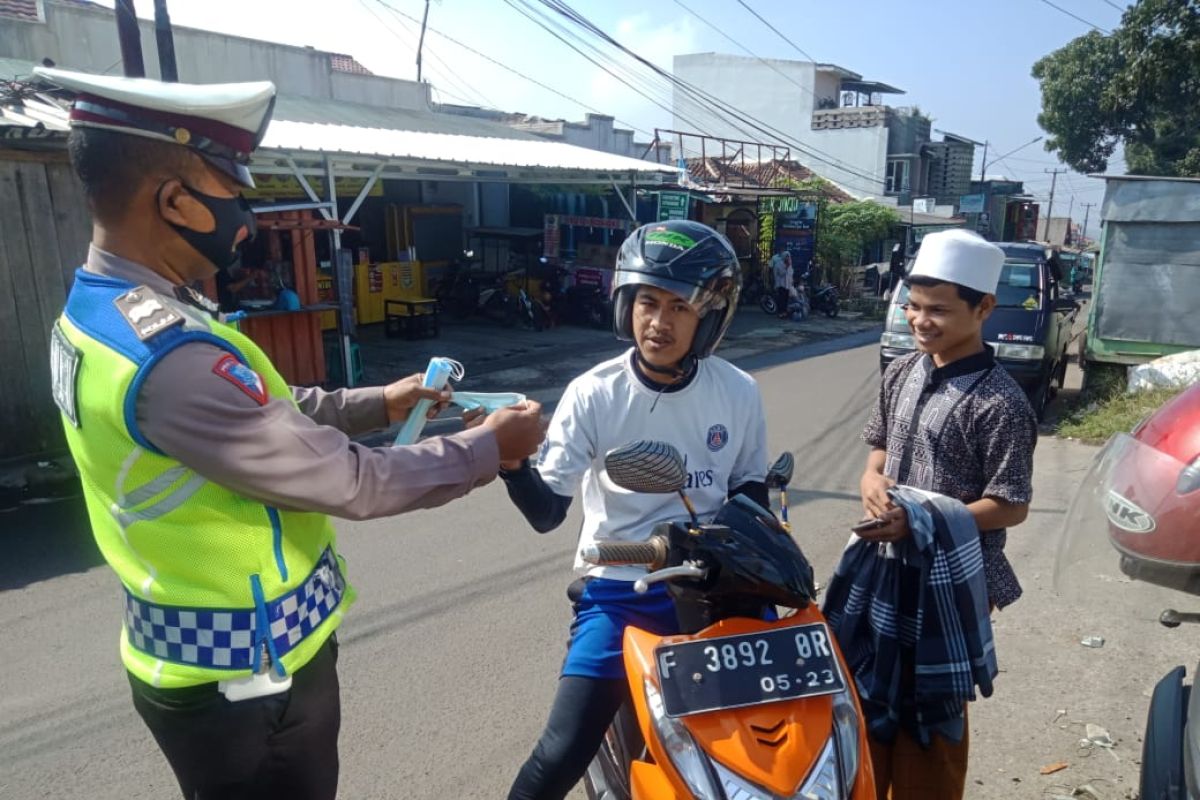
(781, 276)
(675, 293)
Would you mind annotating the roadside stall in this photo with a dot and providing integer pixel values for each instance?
(274, 296)
(586, 247)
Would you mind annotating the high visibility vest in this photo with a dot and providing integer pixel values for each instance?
(217, 585)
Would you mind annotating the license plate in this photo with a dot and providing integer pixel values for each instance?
(748, 669)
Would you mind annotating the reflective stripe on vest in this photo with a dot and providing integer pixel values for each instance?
(231, 639)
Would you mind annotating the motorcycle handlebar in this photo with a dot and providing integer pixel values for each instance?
(652, 553)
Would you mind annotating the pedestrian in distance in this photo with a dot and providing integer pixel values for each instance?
(209, 481)
(782, 281)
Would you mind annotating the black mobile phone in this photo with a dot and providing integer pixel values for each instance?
(868, 525)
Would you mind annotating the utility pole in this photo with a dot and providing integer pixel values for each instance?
(983, 164)
(421, 41)
(130, 38)
(166, 42)
(1087, 209)
(1050, 208)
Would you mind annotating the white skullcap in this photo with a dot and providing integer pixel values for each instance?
(962, 257)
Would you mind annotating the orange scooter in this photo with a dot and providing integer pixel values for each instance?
(744, 704)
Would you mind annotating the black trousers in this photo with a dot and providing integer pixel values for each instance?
(782, 297)
(582, 711)
(281, 746)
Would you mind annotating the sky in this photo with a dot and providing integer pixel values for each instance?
(965, 64)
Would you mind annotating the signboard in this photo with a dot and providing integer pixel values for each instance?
(796, 231)
(971, 204)
(924, 205)
(921, 231)
(286, 187)
(672, 205)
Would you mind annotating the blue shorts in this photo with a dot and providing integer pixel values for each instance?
(602, 613)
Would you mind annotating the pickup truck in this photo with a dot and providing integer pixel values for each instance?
(1030, 330)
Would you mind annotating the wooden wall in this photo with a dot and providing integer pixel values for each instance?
(44, 233)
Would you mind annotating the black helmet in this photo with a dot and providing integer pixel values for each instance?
(685, 258)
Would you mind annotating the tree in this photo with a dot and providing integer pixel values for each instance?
(1139, 87)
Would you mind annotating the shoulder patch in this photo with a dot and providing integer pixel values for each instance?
(146, 313)
(241, 376)
(64, 374)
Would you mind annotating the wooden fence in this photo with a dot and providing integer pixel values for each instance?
(44, 234)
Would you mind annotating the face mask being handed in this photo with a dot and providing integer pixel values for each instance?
(220, 245)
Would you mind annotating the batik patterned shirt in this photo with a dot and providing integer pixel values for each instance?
(965, 430)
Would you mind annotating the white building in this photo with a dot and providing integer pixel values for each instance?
(834, 121)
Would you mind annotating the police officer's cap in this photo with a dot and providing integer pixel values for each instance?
(223, 122)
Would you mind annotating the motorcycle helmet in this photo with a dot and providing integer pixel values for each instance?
(1143, 494)
(689, 260)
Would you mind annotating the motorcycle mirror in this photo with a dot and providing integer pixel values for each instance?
(780, 473)
(647, 467)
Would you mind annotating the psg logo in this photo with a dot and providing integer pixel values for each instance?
(718, 436)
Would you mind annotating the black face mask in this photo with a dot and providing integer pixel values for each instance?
(231, 214)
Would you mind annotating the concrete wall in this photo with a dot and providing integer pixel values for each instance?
(597, 132)
(859, 156)
(751, 87)
(762, 93)
(86, 39)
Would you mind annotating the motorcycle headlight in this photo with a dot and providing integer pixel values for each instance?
(686, 756)
(822, 783)
(1020, 352)
(845, 734)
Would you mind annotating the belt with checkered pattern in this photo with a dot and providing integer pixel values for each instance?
(230, 639)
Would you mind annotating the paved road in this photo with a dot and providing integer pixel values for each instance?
(449, 660)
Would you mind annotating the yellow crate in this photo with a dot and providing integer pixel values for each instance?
(404, 280)
(368, 294)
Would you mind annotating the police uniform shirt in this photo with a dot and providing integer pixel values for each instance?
(716, 422)
(965, 430)
(293, 458)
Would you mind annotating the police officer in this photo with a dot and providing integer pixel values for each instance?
(207, 478)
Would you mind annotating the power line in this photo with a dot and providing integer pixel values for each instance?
(765, 63)
(545, 24)
(449, 74)
(1114, 5)
(759, 17)
(1077, 17)
(507, 68)
(713, 104)
(564, 9)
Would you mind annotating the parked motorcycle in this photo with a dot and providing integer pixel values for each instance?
(823, 298)
(741, 704)
(756, 291)
(463, 292)
(1131, 546)
(584, 304)
(531, 312)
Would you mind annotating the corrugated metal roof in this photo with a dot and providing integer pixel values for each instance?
(293, 108)
(450, 149)
(419, 138)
